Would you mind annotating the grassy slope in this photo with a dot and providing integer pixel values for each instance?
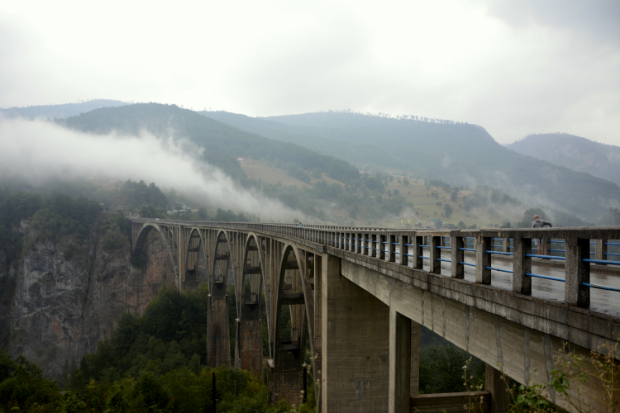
(425, 206)
(365, 156)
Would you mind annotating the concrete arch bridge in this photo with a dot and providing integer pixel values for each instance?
(358, 296)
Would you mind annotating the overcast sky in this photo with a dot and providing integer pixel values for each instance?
(514, 67)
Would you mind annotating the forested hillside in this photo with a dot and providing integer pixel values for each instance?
(574, 152)
(334, 190)
(457, 153)
(220, 141)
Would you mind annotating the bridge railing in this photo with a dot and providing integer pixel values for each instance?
(452, 251)
(504, 257)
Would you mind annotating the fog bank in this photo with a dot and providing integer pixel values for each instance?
(37, 150)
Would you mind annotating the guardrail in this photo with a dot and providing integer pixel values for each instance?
(422, 249)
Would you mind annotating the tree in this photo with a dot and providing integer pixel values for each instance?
(447, 210)
(461, 225)
(454, 194)
(405, 181)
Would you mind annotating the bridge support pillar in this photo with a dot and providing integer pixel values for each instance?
(404, 362)
(495, 384)
(355, 363)
(250, 341)
(218, 336)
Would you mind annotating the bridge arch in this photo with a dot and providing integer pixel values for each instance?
(253, 307)
(289, 349)
(164, 233)
(222, 258)
(218, 330)
(196, 261)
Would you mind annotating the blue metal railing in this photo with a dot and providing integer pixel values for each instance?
(499, 252)
(549, 257)
(498, 269)
(544, 276)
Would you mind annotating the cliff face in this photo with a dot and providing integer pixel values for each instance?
(60, 309)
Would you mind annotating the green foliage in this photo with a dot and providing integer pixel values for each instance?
(13, 208)
(441, 368)
(226, 162)
(155, 363)
(114, 240)
(447, 210)
(139, 260)
(151, 211)
(23, 386)
(485, 196)
(62, 215)
(171, 331)
(139, 194)
(229, 216)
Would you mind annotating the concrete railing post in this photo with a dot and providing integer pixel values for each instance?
(521, 265)
(600, 250)
(457, 256)
(402, 249)
(506, 245)
(577, 272)
(382, 244)
(373, 246)
(391, 239)
(360, 243)
(435, 265)
(417, 253)
(483, 260)
(545, 245)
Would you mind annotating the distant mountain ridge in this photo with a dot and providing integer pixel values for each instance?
(59, 111)
(461, 154)
(574, 152)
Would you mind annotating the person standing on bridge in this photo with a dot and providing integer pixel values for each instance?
(539, 223)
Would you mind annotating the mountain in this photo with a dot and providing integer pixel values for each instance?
(573, 152)
(59, 111)
(223, 143)
(461, 154)
(365, 156)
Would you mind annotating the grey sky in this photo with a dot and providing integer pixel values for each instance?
(514, 67)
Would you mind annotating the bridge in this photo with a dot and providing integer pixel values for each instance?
(358, 297)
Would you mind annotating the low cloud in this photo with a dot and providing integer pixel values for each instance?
(37, 150)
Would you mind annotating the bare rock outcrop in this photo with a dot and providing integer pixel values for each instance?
(61, 308)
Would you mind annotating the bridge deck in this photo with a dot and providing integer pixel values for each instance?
(500, 302)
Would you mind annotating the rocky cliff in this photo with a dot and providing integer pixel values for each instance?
(55, 310)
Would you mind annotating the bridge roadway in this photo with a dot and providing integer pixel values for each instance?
(359, 296)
